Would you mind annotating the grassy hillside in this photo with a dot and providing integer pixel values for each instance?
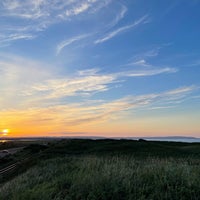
(108, 169)
(140, 149)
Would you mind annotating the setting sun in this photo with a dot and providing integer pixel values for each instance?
(5, 132)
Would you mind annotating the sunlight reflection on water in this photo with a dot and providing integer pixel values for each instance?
(3, 141)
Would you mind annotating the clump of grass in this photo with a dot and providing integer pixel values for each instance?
(109, 177)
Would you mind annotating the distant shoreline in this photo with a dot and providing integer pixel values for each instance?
(164, 139)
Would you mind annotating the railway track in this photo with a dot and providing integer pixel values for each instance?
(8, 169)
(28, 160)
(15, 166)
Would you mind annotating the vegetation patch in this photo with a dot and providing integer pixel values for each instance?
(105, 170)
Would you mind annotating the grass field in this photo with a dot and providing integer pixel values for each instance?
(110, 170)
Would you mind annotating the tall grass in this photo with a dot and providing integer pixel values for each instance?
(107, 178)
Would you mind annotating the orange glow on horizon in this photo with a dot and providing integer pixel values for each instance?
(55, 123)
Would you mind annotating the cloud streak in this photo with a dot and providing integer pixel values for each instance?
(47, 85)
(120, 15)
(75, 115)
(89, 82)
(69, 41)
(17, 36)
(79, 9)
(114, 33)
(44, 98)
(150, 72)
(58, 88)
(40, 14)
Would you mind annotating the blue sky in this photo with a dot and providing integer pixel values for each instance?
(100, 67)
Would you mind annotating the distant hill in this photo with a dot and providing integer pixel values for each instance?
(166, 138)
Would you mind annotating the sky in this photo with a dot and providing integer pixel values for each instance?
(111, 68)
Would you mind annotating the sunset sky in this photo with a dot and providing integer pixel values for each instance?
(100, 68)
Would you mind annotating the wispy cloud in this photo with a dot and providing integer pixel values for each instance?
(48, 85)
(88, 72)
(82, 114)
(43, 9)
(121, 29)
(78, 9)
(34, 10)
(41, 14)
(88, 82)
(42, 99)
(17, 36)
(150, 72)
(147, 69)
(141, 62)
(120, 15)
(138, 58)
(79, 86)
(69, 41)
(149, 53)
(86, 6)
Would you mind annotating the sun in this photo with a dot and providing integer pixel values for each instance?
(5, 132)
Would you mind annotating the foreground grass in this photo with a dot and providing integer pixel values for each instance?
(107, 177)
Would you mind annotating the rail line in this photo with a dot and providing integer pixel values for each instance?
(8, 168)
(12, 167)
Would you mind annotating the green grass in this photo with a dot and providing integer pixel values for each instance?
(108, 170)
(140, 149)
(102, 178)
